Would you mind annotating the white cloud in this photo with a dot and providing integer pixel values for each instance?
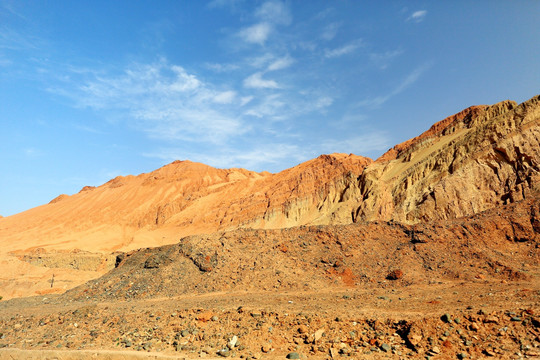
(245, 100)
(163, 100)
(257, 82)
(275, 12)
(344, 50)
(256, 34)
(225, 97)
(281, 63)
(417, 16)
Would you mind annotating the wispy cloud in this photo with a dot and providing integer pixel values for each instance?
(417, 16)
(281, 63)
(225, 97)
(402, 86)
(269, 15)
(343, 50)
(323, 102)
(258, 157)
(257, 82)
(161, 99)
(275, 12)
(270, 107)
(256, 34)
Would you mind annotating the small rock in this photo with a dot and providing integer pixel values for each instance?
(293, 355)
(232, 343)
(184, 333)
(395, 275)
(386, 347)
(515, 318)
(224, 353)
(302, 329)
(266, 348)
(446, 318)
(214, 318)
(318, 335)
(489, 352)
(474, 327)
(461, 356)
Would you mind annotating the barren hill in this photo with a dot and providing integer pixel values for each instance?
(478, 159)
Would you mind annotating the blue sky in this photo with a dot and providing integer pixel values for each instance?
(94, 89)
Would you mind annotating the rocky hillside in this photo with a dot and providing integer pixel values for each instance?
(478, 159)
(501, 245)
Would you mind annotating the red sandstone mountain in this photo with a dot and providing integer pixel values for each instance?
(477, 159)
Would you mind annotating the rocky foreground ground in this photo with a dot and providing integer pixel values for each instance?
(446, 320)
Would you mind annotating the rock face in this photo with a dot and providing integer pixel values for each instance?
(478, 159)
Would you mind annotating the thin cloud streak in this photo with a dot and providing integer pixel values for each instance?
(402, 86)
(344, 50)
(417, 16)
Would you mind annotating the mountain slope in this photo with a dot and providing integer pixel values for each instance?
(478, 159)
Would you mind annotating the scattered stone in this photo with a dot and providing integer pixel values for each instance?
(318, 335)
(302, 329)
(515, 318)
(232, 343)
(461, 356)
(447, 318)
(224, 352)
(386, 348)
(205, 316)
(395, 275)
(293, 355)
